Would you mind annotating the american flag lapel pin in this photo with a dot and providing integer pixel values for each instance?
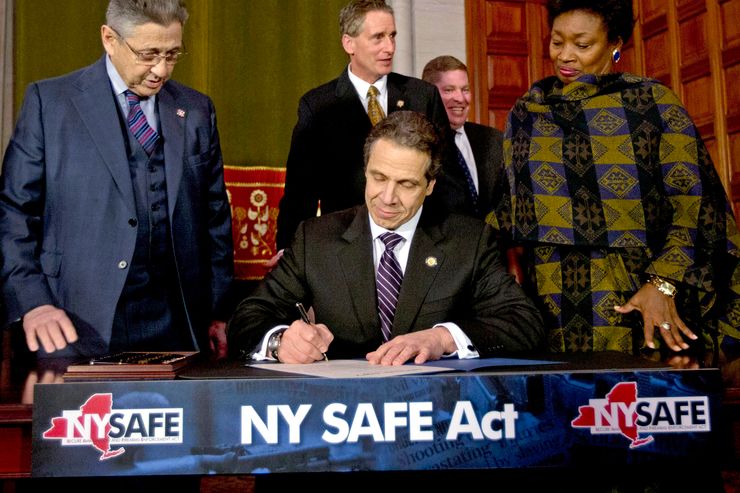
(180, 112)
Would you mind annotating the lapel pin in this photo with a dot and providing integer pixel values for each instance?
(400, 103)
(181, 113)
(431, 261)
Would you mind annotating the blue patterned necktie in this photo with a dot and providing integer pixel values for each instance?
(472, 192)
(388, 283)
(138, 125)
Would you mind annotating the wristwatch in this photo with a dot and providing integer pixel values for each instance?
(663, 286)
(273, 343)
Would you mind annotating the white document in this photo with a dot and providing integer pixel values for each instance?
(348, 368)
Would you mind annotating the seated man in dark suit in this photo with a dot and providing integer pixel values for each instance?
(479, 147)
(437, 290)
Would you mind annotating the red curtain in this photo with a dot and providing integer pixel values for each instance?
(254, 195)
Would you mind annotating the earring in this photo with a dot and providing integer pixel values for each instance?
(616, 55)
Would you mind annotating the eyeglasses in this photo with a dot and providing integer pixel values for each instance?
(150, 58)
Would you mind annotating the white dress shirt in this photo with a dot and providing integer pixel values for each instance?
(361, 87)
(462, 142)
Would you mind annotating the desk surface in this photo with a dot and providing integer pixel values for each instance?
(17, 377)
(589, 362)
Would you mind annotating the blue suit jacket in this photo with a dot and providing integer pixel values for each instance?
(67, 206)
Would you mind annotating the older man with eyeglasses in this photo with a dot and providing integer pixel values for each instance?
(115, 228)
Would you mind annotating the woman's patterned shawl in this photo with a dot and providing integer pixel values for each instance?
(616, 162)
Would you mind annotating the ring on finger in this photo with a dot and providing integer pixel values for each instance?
(665, 326)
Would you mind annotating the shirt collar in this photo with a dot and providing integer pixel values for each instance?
(361, 86)
(406, 230)
(119, 86)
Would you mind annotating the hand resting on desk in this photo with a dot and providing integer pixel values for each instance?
(422, 346)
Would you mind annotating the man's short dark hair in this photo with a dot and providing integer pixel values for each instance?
(437, 66)
(408, 129)
(352, 15)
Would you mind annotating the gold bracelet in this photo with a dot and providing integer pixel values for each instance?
(663, 286)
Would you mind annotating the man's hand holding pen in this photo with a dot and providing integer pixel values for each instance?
(304, 317)
(304, 342)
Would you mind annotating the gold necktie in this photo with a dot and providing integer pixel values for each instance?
(374, 110)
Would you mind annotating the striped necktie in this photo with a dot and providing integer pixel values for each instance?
(374, 110)
(138, 125)
(388, 283)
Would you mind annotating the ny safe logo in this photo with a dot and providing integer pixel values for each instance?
(97, 424)
(638, 418)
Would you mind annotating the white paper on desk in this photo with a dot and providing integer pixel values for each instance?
(348, 368)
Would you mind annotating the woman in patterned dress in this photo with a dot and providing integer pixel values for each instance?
(626, 234)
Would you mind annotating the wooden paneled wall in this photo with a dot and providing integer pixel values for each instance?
(693, 46)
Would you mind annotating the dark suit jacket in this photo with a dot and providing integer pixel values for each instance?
(325, 163)
(487, 144)
(67, 229)
(453, 274)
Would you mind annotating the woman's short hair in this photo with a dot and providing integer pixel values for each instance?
(617, 14)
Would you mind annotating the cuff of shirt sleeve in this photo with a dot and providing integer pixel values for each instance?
(465, 347)
(260, 352)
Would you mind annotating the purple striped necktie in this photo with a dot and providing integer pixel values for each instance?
(388, 283)
(138, 125)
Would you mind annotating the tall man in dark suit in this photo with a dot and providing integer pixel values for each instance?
(479, 147)
(115, 229)
(324, 165)
(455, 297)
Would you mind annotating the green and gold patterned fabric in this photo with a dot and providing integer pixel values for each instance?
(609, 181)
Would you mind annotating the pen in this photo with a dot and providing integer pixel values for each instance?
(304, 317)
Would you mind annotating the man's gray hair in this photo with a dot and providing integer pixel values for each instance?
(126, 15)
(352, 15)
